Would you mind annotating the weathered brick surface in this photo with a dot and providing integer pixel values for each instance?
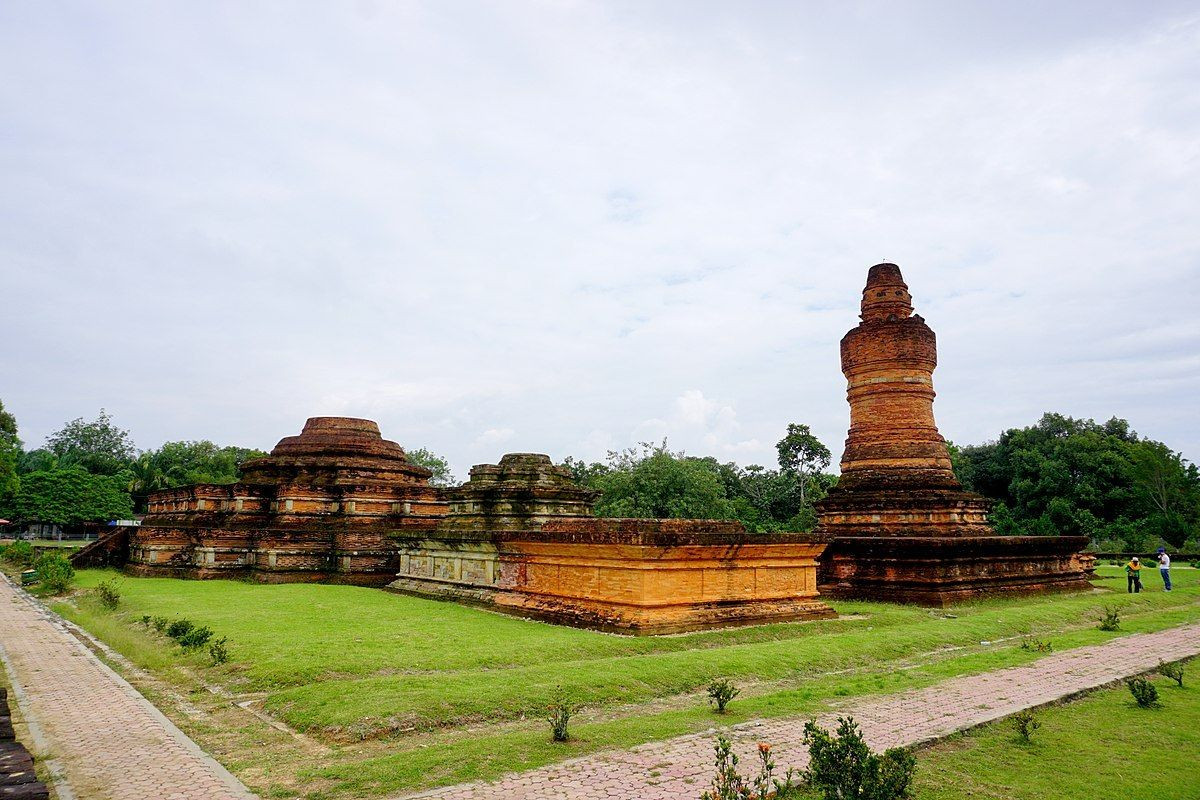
(897, 482)
(520, 536)
(319, 507)
(680, 769)
(107, 739)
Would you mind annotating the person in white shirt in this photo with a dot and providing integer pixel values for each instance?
(1164, 567)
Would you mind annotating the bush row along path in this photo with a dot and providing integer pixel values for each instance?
(109, 742)
(683, 767)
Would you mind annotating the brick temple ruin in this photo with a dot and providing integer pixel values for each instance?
(340, 503)
(901, 525)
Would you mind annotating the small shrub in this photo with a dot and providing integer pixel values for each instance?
(179, 628)
(1145, 694)
(1111, 621)
(218, 651)
(145, 620)
(195, 637)
(1174, 671)
(55, 572)
(19, 553)
(720, 692)
(560, 711)
(1037, 645)
(109, 594)
(161, 624)
(728, 783)
(1026, 722)
(842, 765)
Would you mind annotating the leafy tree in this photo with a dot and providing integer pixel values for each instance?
(37, 460)
(803, 455)
(99, 447)
(430, 460)
(654, 482)
(10, 457)
(71, 495)
(185, 463)
(1075, 476)
(8, 423)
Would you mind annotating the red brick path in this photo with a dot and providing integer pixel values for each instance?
(108, 741)
(680, 769)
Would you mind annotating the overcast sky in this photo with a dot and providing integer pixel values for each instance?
(567, 227)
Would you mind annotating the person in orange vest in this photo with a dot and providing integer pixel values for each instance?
(1133, 572)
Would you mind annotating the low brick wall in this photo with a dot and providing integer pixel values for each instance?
(624, 575)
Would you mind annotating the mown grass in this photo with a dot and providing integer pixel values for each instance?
(345, 663)
(1102, 747)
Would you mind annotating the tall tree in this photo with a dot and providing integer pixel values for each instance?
(432, 461)
(10, 457)
(99, 447)
(8, 423)
(803, 455)
(651, 481)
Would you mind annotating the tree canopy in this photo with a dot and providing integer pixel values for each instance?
(1080, 477)
(99, 447)
(71, 495)
(430, 460)
(652, 481)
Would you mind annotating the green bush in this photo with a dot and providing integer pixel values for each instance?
(1174, 671)
(842, 766)
(1145, 694)
(109, 594)
(195, 638)
(1038, 645)
(179, 628)
(1111, 621)
(161, 624)
(19, 553)
(561, 709)
(55, 572)
(218, 651)
(1026, 723)
(720, 692)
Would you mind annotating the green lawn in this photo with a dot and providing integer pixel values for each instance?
(1102, 747)
(408, 693)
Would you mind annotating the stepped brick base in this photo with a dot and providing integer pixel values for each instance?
(942, 570)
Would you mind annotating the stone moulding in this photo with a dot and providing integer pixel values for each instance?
(624, 575)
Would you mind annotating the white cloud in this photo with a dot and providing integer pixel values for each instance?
(563, 219)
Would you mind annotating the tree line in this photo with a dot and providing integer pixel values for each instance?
(90, 471)
(1079, 477)
(1060, 476)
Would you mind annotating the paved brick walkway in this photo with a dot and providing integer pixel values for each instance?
(680, 769)
(108, 741)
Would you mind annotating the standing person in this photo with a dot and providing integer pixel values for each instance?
(1133, 571)
(1164, 567)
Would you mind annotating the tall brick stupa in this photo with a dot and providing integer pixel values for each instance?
(902, 526)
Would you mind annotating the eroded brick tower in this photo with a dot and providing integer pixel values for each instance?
(903, 528)
(896, 474)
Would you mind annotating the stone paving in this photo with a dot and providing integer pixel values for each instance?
(108, 742)
(680, 769)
